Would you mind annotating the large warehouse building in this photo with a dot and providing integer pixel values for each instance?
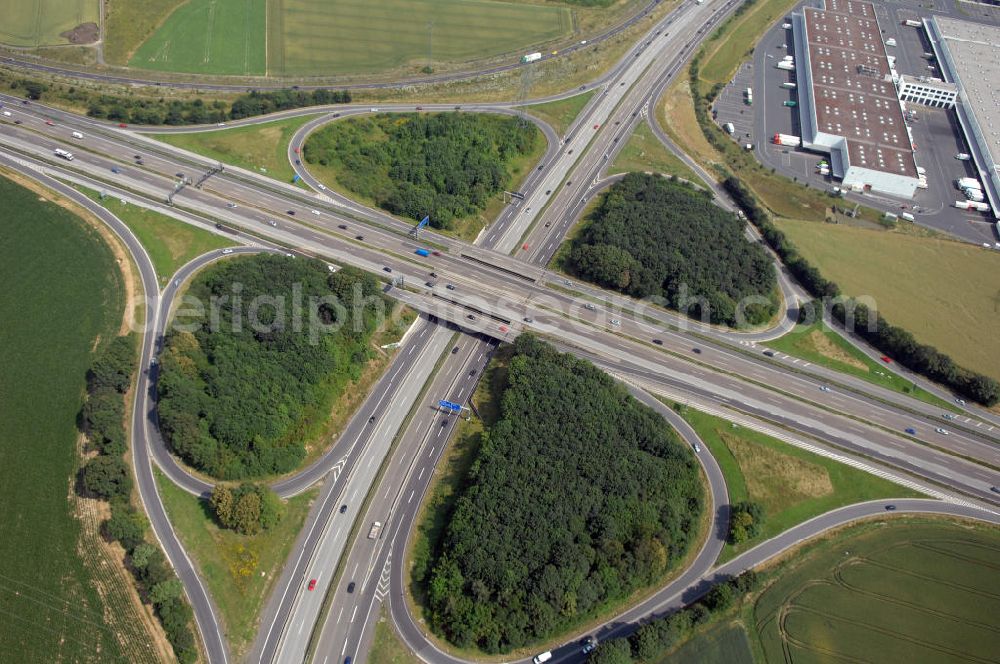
(969, 56)
(848, 104)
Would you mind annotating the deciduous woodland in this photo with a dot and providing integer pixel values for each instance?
(580, 495)
(239, 400)
(446, 165)
(660, 238)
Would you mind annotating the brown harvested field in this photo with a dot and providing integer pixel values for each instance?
(822, 345)
(945, 292)
(676, 114)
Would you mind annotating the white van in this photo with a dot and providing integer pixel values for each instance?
(76, 134)
(907, 216)
(542, 658)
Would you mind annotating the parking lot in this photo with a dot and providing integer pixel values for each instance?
(936, 133)
(731, 106)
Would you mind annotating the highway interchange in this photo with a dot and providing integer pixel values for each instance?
(390, 459)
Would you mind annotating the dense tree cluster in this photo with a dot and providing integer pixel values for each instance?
(160, 111)
(108, 476)
(745, 520)
(579, 496)
(446, 165)
(155, 578)
(247, 508)
(895, 342)
(656, 237)
(279, 340)
(654, 640)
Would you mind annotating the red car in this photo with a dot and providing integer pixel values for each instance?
(50, 123)
(312, 584)
(122, 125)
(435, 253)
(597, 126)
(296, 150)
(886, 359)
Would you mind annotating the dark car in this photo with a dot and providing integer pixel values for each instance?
(342, 227)
(429, 284)
(343, 508)
(435, 253)
(471, 317)
(658, 342)
(350, 587)
(548, 191)
(434, 275)
(179, 175)
(911, 431)
(472, 372)
(890, 508)
(454, 350)
(769, 353)
(115, 169)
(290, 213)
(450, 287)
(371, 419)
(387, 269)
(696, 351)
(359, 237)
(995, 489)
(444, 423)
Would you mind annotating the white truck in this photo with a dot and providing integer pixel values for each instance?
(788, 85)
(531, 57)
(785, 139)
(913, 24)
(786, 65)
(966, 183)
(729, 127)
(65, 154)
(375, 530)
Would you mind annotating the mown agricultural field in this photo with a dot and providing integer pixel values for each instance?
(43, 22)
(314, 37)
(209, 37)
(915, 593)
(62, 293)
(944, 292)
(317, 37)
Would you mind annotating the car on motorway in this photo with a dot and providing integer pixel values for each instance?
(911, 431)
(231, 206)
(444, 423)
(115, 169)
(450, 286)
(960, 402)
(315, 212)
(548, 191)
(434, 275)
(590, 307)
(359, 237)
(589, 644)
(350, 587)
(454, 350)
(696, 350)
(886, 359)
(420, 108)
(176, 175)
(226, 252)
(343, 509)
(347, 660)
(387, 269)
(290, 213)
(272, 223)
(697, 447)
(312, 584)
(17, 121)
(769, 353)
(824, 388)
(472, 372)
(541, 658)
(890, 508)
(615, 321)
(529, 319)
(435, 253)
(995, 489)
(221, 124)
(949, 416)
(371, 419)
(321, 186)
(50, 123)
(943, 432)
(429, 284)
(342, 227)
(471, 317)
(658, 342)
(122, 125)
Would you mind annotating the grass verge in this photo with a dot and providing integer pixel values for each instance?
(821, 345)
(560, 114)
(643, 152)
(387, 648)
(169, 242)
(260, 148)
(237, 569)
(792, 485)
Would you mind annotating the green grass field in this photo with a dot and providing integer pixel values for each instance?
(560, 114)
(792, 484)
(946, 293)
(310, 37)
(820, 345)
(237, 569)
(128, 24)
(643, 152)
(62, 292)
(170, 243)
(915, 592)
(387, 648)
(261, 148)
(209, 37)
(41, 22)
(723, 644)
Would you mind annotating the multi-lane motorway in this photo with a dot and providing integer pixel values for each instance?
(495, 294)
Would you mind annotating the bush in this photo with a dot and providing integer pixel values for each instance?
(247, 509)
(107, 477)
(126, 525)
(114, 367)
(745, 519)
(615, 651)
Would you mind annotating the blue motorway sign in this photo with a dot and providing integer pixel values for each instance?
(423, 222)
(449, 405)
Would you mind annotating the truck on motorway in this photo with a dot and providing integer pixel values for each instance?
(531, 57)
(422, 252)
(65, 154)
(375, 530)
(913, 24)
(788, 85)
(785, 139)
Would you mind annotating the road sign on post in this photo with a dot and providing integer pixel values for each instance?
(449, 405)
(415, 231)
